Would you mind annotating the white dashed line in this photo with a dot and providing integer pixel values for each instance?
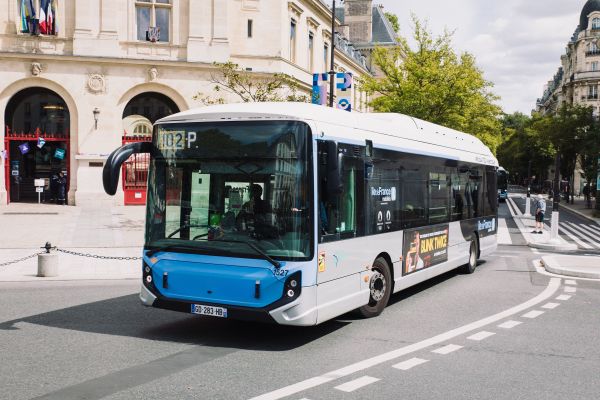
(570, 282)
(481, 335)
(564, 297)
(362, 365)
(570, 289)
(356, 384)
(550, 306)
(408, 364)
(509, 324)
(447, 349)
(533, 314)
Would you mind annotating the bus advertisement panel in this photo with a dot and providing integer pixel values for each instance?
(424, 248)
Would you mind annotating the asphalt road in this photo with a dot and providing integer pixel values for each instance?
(92, 340)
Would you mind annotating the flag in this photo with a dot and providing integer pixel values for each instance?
(41, 142)
(24, 148)
(44, 27)
(53, 8)
(27, 16)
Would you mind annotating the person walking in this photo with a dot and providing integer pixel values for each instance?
(540, 210)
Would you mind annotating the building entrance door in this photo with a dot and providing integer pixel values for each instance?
(37, 146)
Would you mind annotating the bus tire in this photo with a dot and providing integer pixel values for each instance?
(381, 289)
(470, 267)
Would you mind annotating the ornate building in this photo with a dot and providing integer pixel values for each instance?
(578, 77)
(80, 78)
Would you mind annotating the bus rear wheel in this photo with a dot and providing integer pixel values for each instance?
(470, 267)
(380, 286)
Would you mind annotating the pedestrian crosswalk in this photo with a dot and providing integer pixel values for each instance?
(584, 234)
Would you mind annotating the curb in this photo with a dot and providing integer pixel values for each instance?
(553, 246)
(551, 265)
(589, 218)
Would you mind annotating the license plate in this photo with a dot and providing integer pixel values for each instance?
(209, 310)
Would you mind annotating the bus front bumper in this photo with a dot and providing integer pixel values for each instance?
(301, 312)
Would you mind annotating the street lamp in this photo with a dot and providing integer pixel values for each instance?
(331, 71)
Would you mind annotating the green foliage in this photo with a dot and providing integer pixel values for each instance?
(524, 143)
(251, 87)
(572, 131)
(393, 18)
(433, 83)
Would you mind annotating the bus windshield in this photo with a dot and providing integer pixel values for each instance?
(239, 189)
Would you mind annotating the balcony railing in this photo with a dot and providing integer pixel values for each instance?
(587, 75)
(590, 53)
(591, 97)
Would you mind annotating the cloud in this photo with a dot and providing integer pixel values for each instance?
(517, 43)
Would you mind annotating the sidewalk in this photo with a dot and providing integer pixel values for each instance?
(579, 207)
(105, 231)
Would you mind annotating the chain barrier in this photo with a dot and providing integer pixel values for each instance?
(4, 264)
(74, 253)
(49, 247)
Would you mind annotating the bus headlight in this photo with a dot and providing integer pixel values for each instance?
(292, 287)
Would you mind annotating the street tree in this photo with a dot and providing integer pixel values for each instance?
(231, 80)
(393, 19)
(525, 150)
(434, 83)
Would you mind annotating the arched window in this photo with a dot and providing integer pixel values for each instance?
(596, 23)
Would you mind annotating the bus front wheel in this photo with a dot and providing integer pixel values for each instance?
(469, 267)
(380, 286)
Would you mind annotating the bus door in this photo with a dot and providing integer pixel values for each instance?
(341, 213)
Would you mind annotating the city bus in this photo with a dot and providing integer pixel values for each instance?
(297, 213)
(502, 184)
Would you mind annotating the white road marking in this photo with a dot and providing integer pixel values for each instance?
(573, 237)
(356, 384)
(564, 297)
(550, 306)
(503, 234)
(570, 282)
(509, 324)
(585, 230)
(310, 383)
(570, 289)
(447, 349)
(533, 314)
(408, 364)
(481, 335)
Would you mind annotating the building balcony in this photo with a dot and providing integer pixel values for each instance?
(590, 97)
(587, 75)
(592, 53)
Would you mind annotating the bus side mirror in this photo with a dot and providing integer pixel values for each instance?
(112, 168)
(334, 167)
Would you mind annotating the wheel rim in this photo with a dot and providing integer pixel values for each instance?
(377, 286)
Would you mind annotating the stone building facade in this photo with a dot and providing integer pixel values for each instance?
(113, 67)
(577, 80)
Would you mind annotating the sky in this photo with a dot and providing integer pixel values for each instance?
(517, 43)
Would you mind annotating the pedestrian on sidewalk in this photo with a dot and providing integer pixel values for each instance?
(540, 210)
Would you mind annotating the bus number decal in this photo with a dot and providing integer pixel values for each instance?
(171, 140)
(281, 272)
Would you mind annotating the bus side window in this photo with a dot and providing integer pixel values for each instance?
(338, 216)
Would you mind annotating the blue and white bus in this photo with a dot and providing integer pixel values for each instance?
(297, 213)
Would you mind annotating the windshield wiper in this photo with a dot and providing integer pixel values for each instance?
(185, 226)
(254, 247)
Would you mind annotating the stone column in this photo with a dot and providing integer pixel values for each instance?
(200, 27)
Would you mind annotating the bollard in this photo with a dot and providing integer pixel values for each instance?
(554, 226)
(47, 262)
(527, 206)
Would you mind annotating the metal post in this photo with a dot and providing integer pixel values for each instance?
(528, 199)
(332, 71)
(556, 200)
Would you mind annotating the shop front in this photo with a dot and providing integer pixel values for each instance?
(36, 143)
